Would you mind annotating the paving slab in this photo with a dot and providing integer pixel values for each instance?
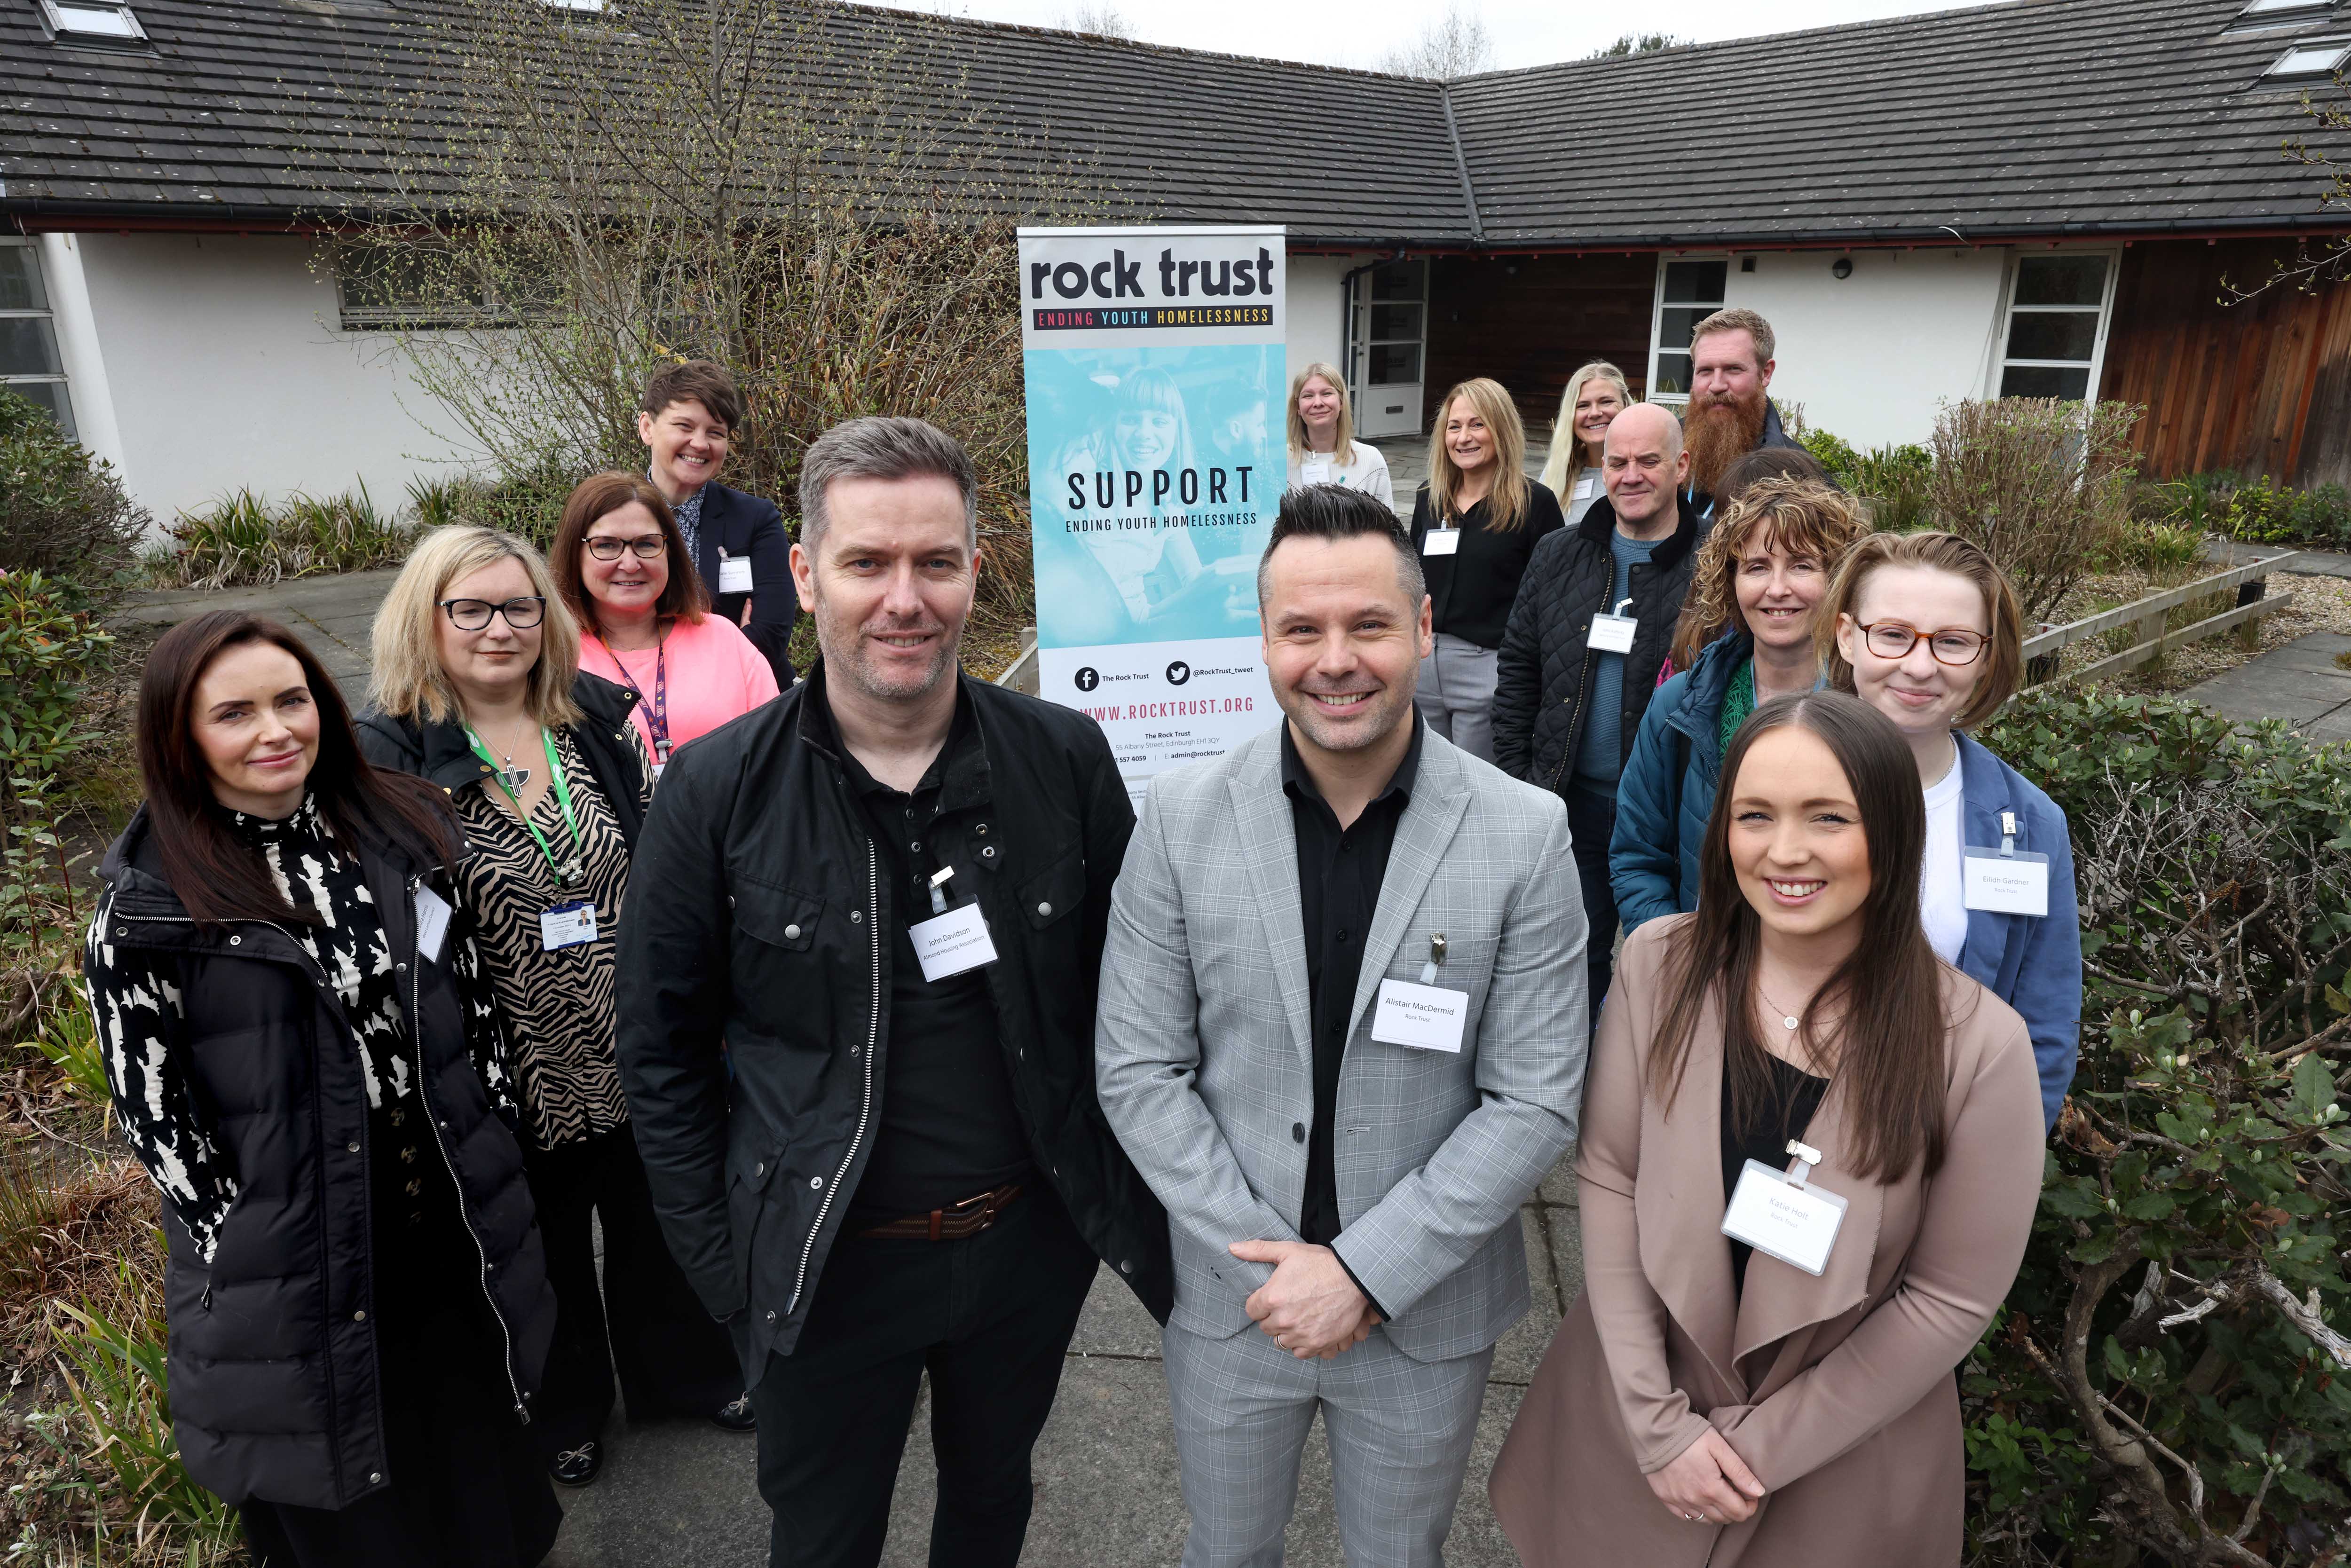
(2300, 683)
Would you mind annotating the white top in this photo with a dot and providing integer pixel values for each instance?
(1942, 895)
(1368, 472)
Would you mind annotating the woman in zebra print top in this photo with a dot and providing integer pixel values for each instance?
(478, 688)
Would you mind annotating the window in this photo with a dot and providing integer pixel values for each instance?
(2273, 7)
(87, 19)
(2056, 324)
(2311, 57)
(1688, 293)
(29, 365)
(420, 289)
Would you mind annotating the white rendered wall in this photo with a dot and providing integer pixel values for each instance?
(226, 371)
(1873, 356)
(1316, 309)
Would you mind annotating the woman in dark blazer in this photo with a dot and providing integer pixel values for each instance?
(688, 422)
(303, 1054)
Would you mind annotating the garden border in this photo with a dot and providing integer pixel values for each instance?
(2253, 601)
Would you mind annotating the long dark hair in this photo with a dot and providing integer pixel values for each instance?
(218, 879)
(1888, 1055)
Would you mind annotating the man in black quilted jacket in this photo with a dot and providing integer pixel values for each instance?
(1586, 644)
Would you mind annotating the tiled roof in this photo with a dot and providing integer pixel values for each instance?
(2042, 117)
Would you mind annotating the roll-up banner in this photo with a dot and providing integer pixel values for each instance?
(1158, 449)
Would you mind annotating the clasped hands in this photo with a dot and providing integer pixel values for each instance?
(1709, 1483)
(1310, 1307)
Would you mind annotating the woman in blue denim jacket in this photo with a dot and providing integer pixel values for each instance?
(1926, 629)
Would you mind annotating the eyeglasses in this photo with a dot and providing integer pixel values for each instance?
(1951, 645)
(607, 548)
(472, 615)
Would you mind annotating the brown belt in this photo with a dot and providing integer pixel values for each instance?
(953, 1223)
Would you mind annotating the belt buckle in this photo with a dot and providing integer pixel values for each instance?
(985, 1202)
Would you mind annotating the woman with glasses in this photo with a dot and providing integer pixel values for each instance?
(478, 688)
(622, 571)
(1925, 628)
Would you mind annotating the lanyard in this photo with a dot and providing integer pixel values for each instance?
(563, 871)
(656, 711)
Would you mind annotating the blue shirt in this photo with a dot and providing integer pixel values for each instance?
(1600, 754)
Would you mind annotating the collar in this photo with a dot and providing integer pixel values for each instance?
(1299, 784)
(1599, 524)
(959, 772)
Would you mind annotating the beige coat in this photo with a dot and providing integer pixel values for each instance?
(1837, 1391)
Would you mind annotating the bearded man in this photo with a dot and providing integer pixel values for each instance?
(1729, 414)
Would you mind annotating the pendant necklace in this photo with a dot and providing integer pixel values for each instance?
(1788, 1020)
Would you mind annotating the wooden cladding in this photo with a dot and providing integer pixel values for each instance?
(2261, 385)
(1528, 321)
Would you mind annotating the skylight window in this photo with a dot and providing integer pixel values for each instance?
(2268, 7)
(2312, 58)
(82, 19)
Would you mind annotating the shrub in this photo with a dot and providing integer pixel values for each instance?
(2324, 515)
(2260, 513)
(64, 513)
(241, 538)
(1832, 452)
(2153, 546)
(1897, 482)
(2042, 484)
(2167, 1377)
(528, 505)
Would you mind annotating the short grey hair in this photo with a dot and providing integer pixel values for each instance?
(883, 446)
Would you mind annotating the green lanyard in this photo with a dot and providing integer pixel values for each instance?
(563, 871)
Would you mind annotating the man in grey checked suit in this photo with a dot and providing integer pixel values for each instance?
(1342, 1164)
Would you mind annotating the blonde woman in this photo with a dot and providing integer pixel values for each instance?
(1322, 445)
(478, 688)
(1596, 395)
(1475, 523)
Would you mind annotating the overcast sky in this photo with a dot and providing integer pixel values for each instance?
(1358, 32)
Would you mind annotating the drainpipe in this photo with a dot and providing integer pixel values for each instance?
(85, 367)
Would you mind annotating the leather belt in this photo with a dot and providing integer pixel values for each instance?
(953, 1223)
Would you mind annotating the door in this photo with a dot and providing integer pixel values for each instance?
(1389, 333)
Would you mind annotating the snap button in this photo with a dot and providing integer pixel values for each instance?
(816, 1181)
(1045, 908)
(354, 1147)
(857, 917)
(988, 853)
(791, 932)
(980, 829)
(855, 1049)
(236, 940)
(400, 968)
(771, 1317)
(376, 1478)
(759, 1169)
(1125, 1267)
(731, 901)
(358, 1317)
(122, 931)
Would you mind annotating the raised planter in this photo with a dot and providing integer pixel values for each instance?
(2253, 602)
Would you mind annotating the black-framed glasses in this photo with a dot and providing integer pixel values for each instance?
(607, 548)
(472, 615)
(1951, 645)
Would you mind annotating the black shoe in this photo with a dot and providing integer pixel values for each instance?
(736, 1416)
(578, 1467)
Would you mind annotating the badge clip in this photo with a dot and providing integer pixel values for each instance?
(2008, 833)
(1436, 956)
(1800, 1167)
(939, 881)
(1619, 611)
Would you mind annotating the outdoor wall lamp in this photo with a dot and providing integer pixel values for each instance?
(1841, 267)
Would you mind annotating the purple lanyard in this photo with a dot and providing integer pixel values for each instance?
(657, 710)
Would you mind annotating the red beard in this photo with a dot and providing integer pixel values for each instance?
(1717, 432)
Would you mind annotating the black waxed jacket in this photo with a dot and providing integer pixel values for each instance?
(1542, 678)
(755, 934)
(272, 1360)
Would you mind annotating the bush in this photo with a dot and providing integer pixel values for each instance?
(62, 512)
(241, 538)
(2164, 1378)
(2042, 484)
(1832, 452)
(527, 505)
(2261, 514)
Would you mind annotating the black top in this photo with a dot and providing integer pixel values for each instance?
(948, 1129)
(1796, 1096)
(1473, 586)
(1339, 877)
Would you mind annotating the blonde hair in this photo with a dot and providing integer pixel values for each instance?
(1738, 318)
(1801, 517)
(2002, 658)
(408, 681)
(1342, 451)
(1565, 464)
(1506, 501)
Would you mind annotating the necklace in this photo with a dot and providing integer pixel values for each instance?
(512, 777)
(1788, 1020)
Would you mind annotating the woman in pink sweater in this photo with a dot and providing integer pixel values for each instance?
(623, 568)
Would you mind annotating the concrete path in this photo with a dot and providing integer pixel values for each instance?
(2305, 683)
(332, 614)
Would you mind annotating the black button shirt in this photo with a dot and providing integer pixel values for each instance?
(1339, 877)
(949, 1128)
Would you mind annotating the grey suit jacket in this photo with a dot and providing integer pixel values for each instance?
(1205, 1060)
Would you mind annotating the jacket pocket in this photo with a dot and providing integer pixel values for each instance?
(1056, 893)
(779, 916)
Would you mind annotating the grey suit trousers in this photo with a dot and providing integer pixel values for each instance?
(1455, 693)
(1400, 1432)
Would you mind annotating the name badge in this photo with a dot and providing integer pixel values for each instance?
(1612, 633)
(947, 945)
(734, 573)
(432, 924)
(1773, 1213)
(566, 924)
(1441, 541)
(1586, 486)
(1426, 1017)
(2016, 884)
(1314, 471)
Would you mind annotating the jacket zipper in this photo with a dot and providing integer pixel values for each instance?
(866, 1105)
(1584, 704)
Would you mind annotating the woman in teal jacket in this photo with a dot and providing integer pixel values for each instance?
(1760, 574)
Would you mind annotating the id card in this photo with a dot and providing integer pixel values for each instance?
(2006, 884)
(734, 573)
(566, 924)
(432, 924)
(1441, 541)
(947, 945)
(1612, 633)
(1314, 471)
(1586, 486)
(1797, 1225)
(1426, 1017)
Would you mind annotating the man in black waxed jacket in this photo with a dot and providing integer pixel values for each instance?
(1572, 678)
(882, 899)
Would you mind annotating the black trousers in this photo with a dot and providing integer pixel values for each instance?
(989, 1317)
(1591, 818)
(644, 1324)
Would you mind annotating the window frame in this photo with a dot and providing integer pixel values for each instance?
(423, 315)
(53, 14)
(2009, 310)
(1667, 259)
(48, 313)
(2341, 55)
